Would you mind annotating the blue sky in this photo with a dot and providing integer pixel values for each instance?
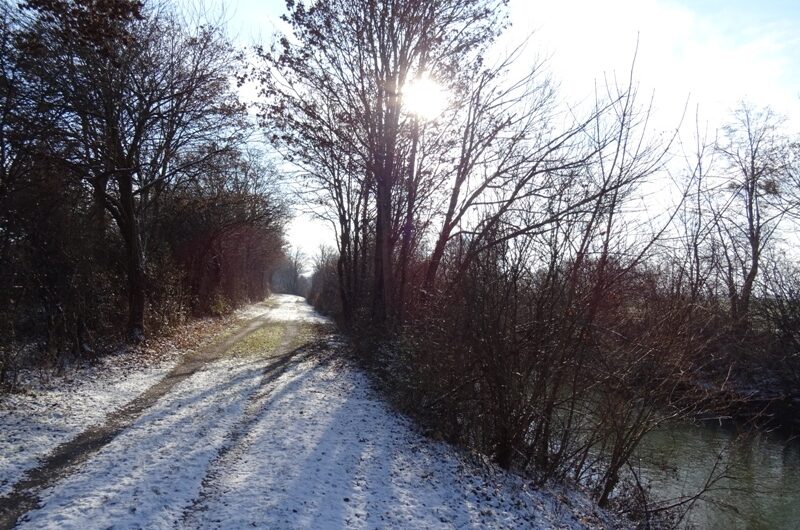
(759, 10)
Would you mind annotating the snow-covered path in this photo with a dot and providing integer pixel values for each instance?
(283, 433)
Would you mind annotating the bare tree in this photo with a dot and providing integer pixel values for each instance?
(141, 101)
(753, 178)
(335, 100)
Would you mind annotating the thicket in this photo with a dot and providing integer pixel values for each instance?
(129, 198)
(535, 281)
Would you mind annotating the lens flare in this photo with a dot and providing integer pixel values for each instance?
(424, 97)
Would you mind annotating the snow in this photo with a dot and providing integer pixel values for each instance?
(253, 311)
(298, 441)
(144, 477)
(284, 308)
(56, 409)
(326, 452)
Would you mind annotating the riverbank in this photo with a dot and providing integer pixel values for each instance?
(752, 397)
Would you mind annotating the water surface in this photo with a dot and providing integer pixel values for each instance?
(761, 484)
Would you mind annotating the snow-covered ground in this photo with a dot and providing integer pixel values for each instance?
(146, 476)
(284, 308)
(290, 442)
(53, 410)
(326, 452)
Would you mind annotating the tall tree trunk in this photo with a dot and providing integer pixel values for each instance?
(407, 229)
(434, 262)
(99, 185)
(383, 254)
(129, 226)
(345, 278)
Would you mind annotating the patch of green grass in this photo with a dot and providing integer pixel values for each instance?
(262, 342)
(226, 333)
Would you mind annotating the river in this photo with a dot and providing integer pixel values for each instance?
(761, 489)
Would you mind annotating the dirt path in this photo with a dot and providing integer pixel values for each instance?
(69, 456)
(236, 442)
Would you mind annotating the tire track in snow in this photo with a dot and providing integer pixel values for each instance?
(238, 442)
(68, 456)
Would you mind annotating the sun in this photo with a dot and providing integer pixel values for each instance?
(424, 97)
